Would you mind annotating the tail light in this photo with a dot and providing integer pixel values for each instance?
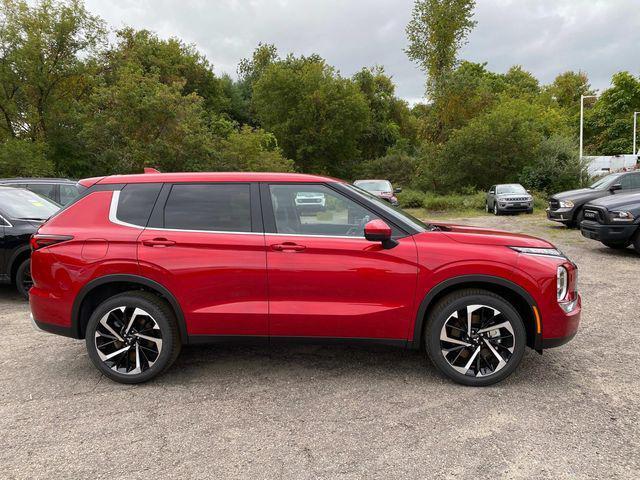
(39, 241)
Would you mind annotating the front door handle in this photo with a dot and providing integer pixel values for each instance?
(158, 242)
(288, 247)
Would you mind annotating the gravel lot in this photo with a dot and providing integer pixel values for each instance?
(336, 412)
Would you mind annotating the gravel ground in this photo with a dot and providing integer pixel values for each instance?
(336, 412)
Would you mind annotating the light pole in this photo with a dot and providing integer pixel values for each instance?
(582, 97)
(635, 128)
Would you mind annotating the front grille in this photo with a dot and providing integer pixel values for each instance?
(518, 199)
(594, 215)
(554, 204)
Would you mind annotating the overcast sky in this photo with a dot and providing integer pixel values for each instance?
(546, 37)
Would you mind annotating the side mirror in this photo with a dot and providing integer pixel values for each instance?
(379, 231)
(491, 192)
(528, 191)
(397, 190)
(615, 186)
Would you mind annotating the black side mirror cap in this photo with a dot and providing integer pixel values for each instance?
(397, 190)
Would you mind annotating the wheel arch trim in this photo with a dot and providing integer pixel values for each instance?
(76, 327)
(460, 281)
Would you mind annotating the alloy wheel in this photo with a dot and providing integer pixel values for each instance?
(477, 340)
(128, 340)
(495, 209)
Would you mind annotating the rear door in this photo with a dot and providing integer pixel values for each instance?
(325, 278)
(205, 243)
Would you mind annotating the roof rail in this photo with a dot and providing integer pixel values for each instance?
(150, 170)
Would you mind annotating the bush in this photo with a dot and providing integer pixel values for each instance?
(411, 199)
(473, 201)
(398, 168)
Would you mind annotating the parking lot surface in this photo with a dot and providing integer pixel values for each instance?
(336, 412)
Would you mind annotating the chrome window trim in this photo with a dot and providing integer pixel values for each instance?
(313, 236)
(113, 218)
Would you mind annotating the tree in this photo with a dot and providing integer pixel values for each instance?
(42, 72)
(493, 147)
(391, 118)
(568, 87)
(136, 120)
(253, 150)
(437, 30)
(609, 124)
(316, 115)
(171, 61)
(24, 158)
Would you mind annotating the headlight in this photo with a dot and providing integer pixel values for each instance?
(566, 204)
(547, 252)
(622, 216)
(562, 283)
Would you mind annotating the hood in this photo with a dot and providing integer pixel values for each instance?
(612, 202)
(582, 194)
(485, 236)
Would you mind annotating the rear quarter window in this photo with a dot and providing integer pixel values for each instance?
(136, 202)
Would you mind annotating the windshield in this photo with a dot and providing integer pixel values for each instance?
(25, 205)
(374, 185)
(394, 212)
(512, 188)
(604, 182)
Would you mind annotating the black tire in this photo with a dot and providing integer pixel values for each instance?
(530, 211)
(578, 218)
(616, 245)
(159, 312)
(636, 241)
(23, 278)
(496, 209)
(456, 302)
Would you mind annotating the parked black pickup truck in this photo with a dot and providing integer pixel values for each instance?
(568, 207)
(613, 220)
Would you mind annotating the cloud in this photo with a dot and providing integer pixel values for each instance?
(546, 37)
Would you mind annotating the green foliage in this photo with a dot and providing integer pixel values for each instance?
(609, 124)
(252, 150)
(556, 167)
(398, 167)
(567, 88)
(24, 158)
(437, 30)
(316, 115)
(411, 198)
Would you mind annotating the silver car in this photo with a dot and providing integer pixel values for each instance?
(508, 197)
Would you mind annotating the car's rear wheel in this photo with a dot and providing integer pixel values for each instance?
(486, 207)
(616, 245)
(475, 337)
(23, 278)
(133, 337)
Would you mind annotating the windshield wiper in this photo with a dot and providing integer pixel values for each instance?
(32, 218)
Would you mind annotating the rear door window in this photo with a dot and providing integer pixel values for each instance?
(45, 189)
(209, 207)
(135, 202)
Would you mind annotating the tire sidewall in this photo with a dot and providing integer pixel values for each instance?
(432, 338)
(161, 317)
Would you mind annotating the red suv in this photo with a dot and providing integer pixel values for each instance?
(140, 265)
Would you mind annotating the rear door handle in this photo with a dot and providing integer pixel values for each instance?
(158, 242)
(288, 247)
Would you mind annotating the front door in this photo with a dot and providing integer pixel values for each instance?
(207, 247)
(325, 278)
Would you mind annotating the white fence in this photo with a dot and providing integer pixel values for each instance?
(614, 163)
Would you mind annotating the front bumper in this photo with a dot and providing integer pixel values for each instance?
(560, 327)
(606, 232)
(515, 206)
(562, 215)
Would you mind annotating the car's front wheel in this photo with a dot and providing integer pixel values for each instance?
(133, 337)
(496, 210)
(475, 337)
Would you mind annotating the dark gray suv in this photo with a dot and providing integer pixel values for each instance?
(508, 197)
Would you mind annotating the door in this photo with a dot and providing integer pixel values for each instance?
(205, 244)
(630, 183)
(325, 278)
